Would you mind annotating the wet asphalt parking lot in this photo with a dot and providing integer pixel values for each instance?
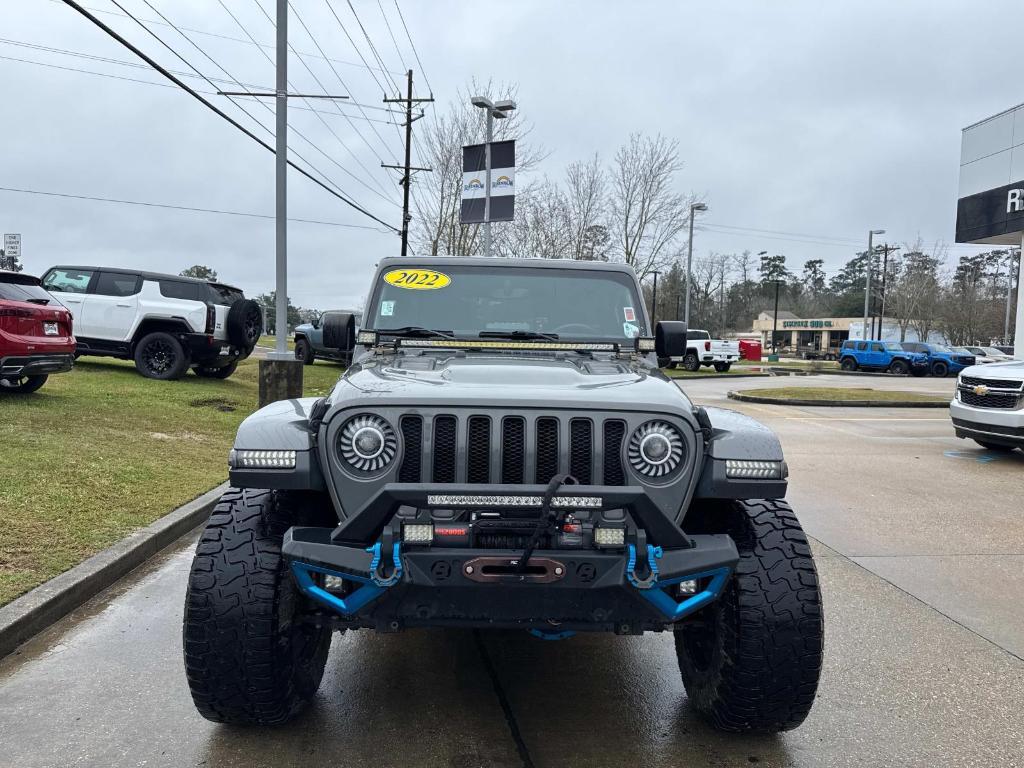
(919, 539)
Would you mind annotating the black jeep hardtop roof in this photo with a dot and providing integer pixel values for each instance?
(144, 274)
(497, 261)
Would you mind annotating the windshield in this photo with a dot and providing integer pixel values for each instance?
(470, 300)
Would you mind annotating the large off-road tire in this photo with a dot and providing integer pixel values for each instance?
(216, 372)
(751, 660)
(690, 362)
(723, 367)
(160, 355)
(940, 369)
(304, 352)
(21, 385)
(899, 367)
(848, 364)
(244, 323)
(249, 656)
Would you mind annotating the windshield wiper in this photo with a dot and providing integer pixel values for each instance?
(416, 331)
(519, 335)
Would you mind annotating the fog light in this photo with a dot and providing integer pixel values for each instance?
(609, 537)
(417, 533)
(688, 587)
(755, 470)
(334, 583)
(262, 459)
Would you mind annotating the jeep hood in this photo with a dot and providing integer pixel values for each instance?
(528, 380)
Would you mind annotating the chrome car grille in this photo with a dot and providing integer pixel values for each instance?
(1005, 394)
(511, 449)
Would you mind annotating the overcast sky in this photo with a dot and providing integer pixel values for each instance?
(817, 121)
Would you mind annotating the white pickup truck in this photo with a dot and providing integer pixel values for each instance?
(701, 349)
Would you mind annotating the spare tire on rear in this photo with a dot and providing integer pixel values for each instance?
(244, 323)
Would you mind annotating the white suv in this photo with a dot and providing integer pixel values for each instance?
(989, 405)
(164, 323)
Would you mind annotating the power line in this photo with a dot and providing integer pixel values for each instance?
(209, 105)
(322, 120)
(414, 51)
(340, 80)
(220, 36)
(359, 53)
(190, 208)
(373, 49)
(249, 114)
(387, 24)
(112, 76)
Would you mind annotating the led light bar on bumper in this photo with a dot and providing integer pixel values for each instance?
(245, 459)
(755, 470)
(564, 502)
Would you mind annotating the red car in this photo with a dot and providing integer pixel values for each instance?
(35, 334)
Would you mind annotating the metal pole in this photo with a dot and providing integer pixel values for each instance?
(1009, 296)
(689, 261)
(654, 301)
(487, 191)
(407, 182)
(281, 246)
(867, 283)
(775, 316)
(721, 290)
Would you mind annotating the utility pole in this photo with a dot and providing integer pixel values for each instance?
(721, 291)
(775, 315)
(281, 176)
(867, 280)
(885, 272)
(406, 181)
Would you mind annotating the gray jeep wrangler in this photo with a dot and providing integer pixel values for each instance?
(504, 453)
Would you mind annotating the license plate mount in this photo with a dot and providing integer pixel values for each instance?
(51, 329)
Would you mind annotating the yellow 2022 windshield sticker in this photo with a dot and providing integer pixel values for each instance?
(417, 279)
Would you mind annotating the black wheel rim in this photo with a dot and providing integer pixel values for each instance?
(158, 356)
(252, 326)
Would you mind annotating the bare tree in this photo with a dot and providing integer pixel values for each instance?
(913, 297)
(647, 213)
(587, 207)
(542, 224)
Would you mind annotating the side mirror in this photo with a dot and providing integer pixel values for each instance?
(670, 338)
(340, 331)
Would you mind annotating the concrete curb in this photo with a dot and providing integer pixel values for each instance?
(837, 403)
(720, 376)
(36, 610)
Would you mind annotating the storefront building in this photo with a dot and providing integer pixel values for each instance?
(824, 335)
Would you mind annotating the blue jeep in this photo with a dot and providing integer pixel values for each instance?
(942, 360)
(881, 356)
(309, 341)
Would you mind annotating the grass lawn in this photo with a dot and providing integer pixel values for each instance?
(271, 341)
(102, 451)
(843, 393)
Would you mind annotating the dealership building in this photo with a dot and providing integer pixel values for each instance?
(990, 200)
(823, 334)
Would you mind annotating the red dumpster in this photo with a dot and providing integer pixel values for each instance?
(750, 349)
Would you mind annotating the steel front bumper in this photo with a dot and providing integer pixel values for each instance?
(387, 585)
(36, 365)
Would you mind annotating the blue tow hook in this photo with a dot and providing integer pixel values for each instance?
(372, 587)
(653, 591)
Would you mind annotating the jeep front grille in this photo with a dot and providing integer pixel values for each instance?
(513, 450)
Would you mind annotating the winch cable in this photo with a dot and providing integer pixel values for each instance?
(550, 518)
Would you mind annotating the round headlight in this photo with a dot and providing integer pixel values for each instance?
(368, 443)
(655, 449)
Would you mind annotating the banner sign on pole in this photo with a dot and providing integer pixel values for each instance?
(474, 183)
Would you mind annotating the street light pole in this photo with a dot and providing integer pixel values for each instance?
(775, 315)
(689, 261)
(281, 184)
(654, 300)
(867, 280)
(494, 110)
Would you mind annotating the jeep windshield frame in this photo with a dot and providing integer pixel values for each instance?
(519, 305)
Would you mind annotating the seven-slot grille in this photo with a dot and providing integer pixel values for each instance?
(990, 393)
(511, 449)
